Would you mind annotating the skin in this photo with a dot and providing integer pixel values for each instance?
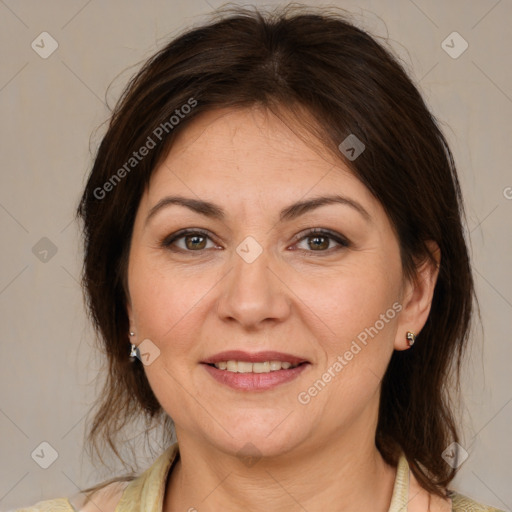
(294, 298)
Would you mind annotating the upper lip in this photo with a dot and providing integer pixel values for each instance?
(255, 357)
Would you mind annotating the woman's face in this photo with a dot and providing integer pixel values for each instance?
(254, 280)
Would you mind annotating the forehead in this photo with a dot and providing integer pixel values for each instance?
(237, 130)
(252, 148)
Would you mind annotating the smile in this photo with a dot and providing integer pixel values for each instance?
(247, 367)
(260, 376)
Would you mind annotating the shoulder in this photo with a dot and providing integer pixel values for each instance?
(121, 494)
(56, 505)
(103, 500)
(423, 500)
(461, 503)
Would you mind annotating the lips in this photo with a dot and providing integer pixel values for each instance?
(255, 357)
(254, 380)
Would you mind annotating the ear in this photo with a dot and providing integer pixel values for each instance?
(417, 297)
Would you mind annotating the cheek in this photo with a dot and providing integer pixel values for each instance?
(166, 309)
(352, 300)
(166, 303)
(161, 300)
(159, 310)
(361, 309)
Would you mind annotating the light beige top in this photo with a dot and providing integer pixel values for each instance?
(146, 493)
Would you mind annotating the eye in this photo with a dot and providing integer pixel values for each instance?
(320, 240)
(193, 240)
(196, 240)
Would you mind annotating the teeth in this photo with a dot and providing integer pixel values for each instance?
(245, 367)
(260, 367)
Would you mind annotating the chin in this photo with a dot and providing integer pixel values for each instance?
(250, 441)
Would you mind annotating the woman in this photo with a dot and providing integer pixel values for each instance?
(275, 259)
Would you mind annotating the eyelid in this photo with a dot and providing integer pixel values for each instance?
(319, 231)
(169, 239)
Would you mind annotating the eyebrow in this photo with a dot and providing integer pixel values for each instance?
(289, 213)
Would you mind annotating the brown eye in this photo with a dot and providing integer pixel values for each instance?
(318, 242)
(321, 241)
(194, 241)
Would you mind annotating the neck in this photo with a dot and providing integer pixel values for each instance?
(345, 473)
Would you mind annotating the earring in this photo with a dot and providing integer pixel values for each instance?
(411, 338)
(134, 349)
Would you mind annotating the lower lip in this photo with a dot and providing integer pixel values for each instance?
(254, 381)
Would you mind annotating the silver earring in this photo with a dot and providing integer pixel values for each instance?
(133, 351)
(132, 333)
(411, 338)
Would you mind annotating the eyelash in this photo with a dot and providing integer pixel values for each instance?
(342, 241)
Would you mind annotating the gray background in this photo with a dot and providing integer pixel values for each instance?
(50, 107)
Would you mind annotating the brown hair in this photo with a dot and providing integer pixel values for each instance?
(317, 67)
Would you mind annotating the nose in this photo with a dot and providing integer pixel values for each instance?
(254, 294)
